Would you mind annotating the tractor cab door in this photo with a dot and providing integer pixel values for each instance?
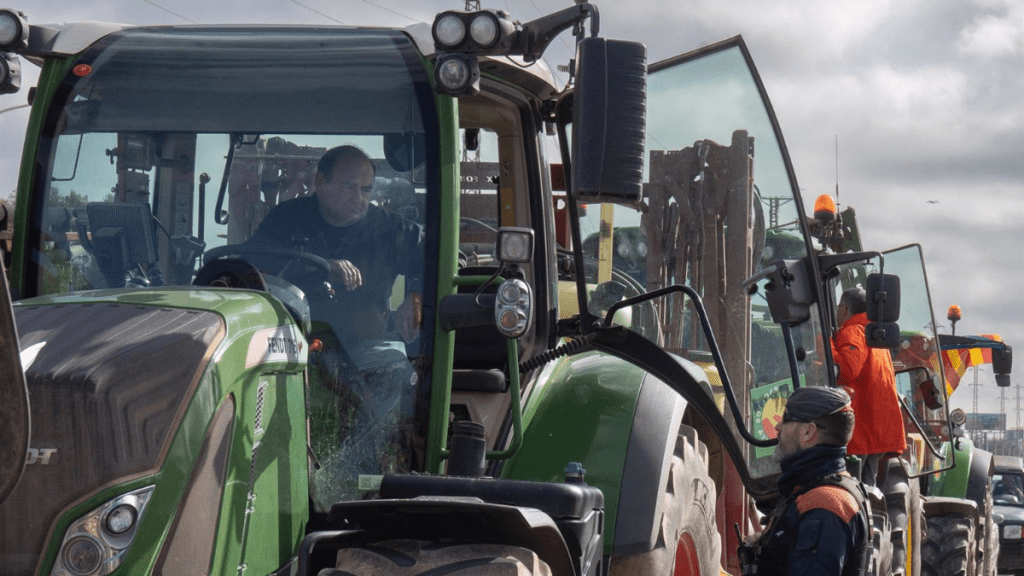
(920, 382)
(14, 408)
(720, 204)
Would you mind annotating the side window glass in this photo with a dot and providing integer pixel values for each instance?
(478, 201)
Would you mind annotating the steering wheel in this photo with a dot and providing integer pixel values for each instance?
(287, 263)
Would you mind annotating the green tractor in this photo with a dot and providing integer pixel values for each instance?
(960, 506)
(197, 406)
(944, 507)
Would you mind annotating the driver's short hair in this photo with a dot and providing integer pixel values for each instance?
(347, 153)
(855, 299)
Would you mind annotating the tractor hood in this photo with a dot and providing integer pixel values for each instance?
(107, 388)
(14, 410)
(1010, 514)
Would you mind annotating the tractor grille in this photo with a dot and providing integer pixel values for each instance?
(107, 391)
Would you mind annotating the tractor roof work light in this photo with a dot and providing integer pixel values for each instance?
(449, 30)
(457, 74)
(10, 73)
(13, 30)
(482, 32)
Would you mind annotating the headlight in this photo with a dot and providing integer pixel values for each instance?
(10, 73)
(95, 544)
(624, 250)
(449, 30)
(13, 30)
(457, 74)
(1012, 532)
(513, 308)
(484, 29)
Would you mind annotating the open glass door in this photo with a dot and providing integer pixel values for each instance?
(720, 204)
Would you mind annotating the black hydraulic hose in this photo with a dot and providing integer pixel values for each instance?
(553, 354)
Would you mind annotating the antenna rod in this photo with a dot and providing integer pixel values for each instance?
(837, 167)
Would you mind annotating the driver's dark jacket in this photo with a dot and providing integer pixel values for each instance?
(818, 532)
(381, 245)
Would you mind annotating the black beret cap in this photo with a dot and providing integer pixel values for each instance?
(813, 402)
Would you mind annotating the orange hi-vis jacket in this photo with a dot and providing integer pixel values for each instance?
(867, 374)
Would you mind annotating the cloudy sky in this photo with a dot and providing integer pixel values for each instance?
(925, 98)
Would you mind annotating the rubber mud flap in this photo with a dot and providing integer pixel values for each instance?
(14, 408)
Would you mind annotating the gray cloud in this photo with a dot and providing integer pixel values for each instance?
(924, 95)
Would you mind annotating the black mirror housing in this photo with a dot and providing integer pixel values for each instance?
(609, 120)
(930, 394)
(1002, 360)
(788, 292)
(882, 334)
(883, 298)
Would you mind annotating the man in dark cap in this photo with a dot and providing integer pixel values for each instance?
(820, 526)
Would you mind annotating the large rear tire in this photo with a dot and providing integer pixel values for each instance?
(881, 541)
(950, 547)
(412, 557)
(688, 543)
(903, 506)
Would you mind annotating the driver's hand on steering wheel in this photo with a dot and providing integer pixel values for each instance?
(345, 273)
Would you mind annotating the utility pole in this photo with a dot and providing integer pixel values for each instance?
(1017, 409)
(977, 423)
(1019, 436)
(1002, 409)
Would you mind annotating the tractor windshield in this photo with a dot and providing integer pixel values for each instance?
(720, 204)
(192, 156)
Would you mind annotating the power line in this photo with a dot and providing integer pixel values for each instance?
(390, 10)
(150, 2)
(319, 12)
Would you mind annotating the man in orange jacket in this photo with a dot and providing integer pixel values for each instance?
(867, 374)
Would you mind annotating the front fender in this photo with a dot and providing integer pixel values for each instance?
(953, 483)
(620, 423)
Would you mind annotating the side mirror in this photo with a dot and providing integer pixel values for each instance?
(609, 120)
(788, 292)
(882, 334)
(883, 298)
(1002, 364)
(930, 394)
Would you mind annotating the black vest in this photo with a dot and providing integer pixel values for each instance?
(859, 558)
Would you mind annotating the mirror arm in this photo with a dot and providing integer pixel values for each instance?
(702, 313)
(931, 447)
(536, 35)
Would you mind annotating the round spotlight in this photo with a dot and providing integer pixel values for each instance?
(13, 30)
(641, 249)
(511, 293)
(449, 30)
(484, 29)
(510, 320)
(121, 519)
(623, 250)
(82, 556)
(454, 74)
